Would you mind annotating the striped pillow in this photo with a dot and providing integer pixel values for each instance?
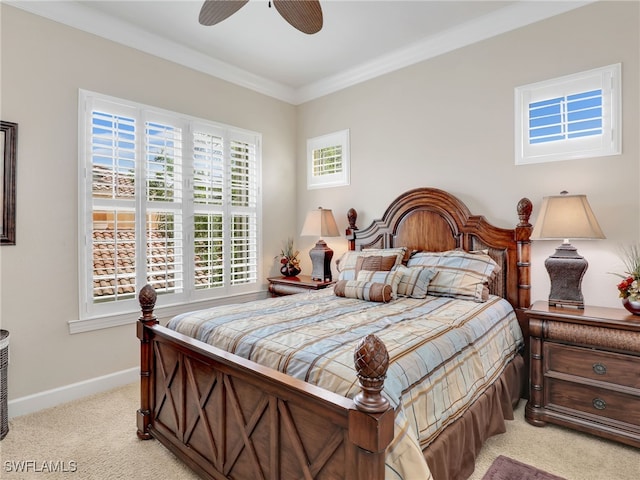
(459, 274)
(414, 281)
(376, 263)
(347, 263)
(391, 278)
(370, 291)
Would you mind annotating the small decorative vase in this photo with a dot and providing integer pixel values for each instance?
(289, 270)
(633, 307)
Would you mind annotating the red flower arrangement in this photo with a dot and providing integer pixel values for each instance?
(629, 287)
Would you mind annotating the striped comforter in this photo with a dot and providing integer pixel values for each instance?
(443, 353)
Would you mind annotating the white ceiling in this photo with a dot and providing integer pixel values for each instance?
(258, 49)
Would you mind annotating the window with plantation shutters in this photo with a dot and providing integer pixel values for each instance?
(328, 160)
(164, 206)
(112, 143)
(208, 188)
(243, 239)
(165, 199)
(576, 116)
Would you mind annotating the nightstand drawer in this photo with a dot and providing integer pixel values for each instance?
(596, 365)
(596, 401)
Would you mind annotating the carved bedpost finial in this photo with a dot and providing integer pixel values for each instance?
(352, 216)
(147, 298)
(372, 361)
(525, 207)
(350, 233)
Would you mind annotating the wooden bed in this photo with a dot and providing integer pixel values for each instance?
(228, 417)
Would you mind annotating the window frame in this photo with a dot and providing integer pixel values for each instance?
(89, 310)
(339, 179)
(608, 143)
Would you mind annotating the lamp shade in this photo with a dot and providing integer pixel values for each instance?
(566, 216)
(320, 223)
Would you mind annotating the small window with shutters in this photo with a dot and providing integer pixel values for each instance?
(576, 116)
(328, 160)
(167, 200)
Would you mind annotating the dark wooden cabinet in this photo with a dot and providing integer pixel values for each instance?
(289, 285)
(585, 370)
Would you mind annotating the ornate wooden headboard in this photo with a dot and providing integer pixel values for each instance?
(430, 219)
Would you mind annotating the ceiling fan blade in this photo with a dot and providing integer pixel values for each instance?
(305, 15)
(215, 11)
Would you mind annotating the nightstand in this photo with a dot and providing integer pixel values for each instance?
(279, 286)
(585, 370)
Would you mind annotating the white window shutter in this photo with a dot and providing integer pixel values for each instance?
(576, 116)
(328, 160)
(166, 199)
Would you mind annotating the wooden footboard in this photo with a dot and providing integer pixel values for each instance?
(228, 417)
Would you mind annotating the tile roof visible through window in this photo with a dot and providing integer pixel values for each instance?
(103, 183)
(114, 271)
(105, 263)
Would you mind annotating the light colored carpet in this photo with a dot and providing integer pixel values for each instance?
(98, 434)
(561, 451)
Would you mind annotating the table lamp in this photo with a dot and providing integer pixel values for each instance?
(320, 223)
(563, 217)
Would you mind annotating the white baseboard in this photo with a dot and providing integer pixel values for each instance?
(51, 398)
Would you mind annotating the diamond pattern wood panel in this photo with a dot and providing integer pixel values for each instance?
(236, 430)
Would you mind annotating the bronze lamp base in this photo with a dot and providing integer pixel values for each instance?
(566, 269)
(321, 256)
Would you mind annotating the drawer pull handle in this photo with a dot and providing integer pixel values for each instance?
(599, 404)
(599, 368)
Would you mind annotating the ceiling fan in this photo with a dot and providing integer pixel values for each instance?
(305, 15)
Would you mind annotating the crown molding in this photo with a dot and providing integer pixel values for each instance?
(504, 20)
(76, 15)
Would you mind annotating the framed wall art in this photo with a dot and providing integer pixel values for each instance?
(8, 144)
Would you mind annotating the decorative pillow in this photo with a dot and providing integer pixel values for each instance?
(476, 262)
(485, 251)
(347, 263)
(466, 286)
(375, 263)
(391, 278)
(371, 291)
(399, 251)
(414, 281)
(460, 274)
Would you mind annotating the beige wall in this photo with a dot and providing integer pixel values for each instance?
(446, 122)
(43, 66)
(449, 123)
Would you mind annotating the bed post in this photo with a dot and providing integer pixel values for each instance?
(147, 298)
(523, 241)
(371, 425)
(350, 233)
